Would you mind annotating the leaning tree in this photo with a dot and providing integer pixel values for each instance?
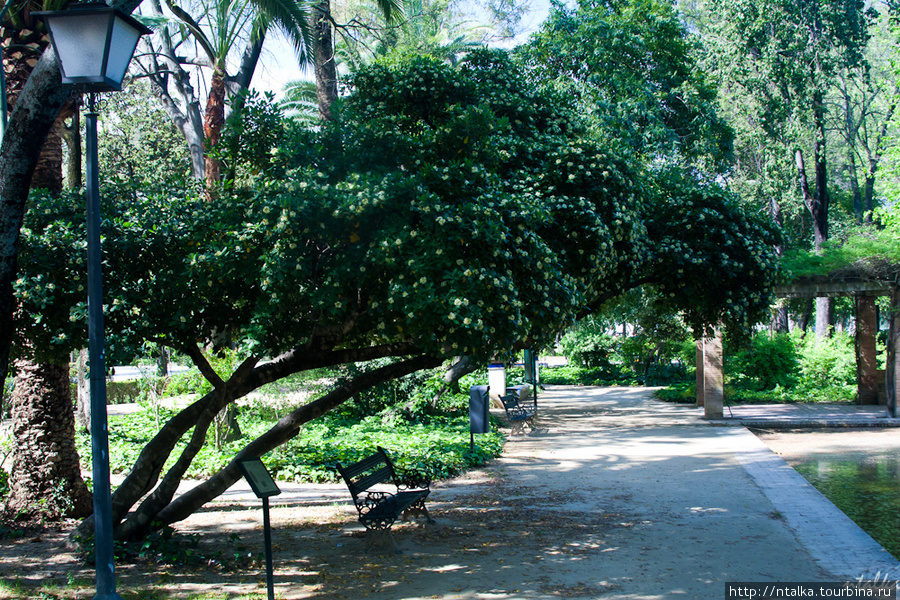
(443, 212)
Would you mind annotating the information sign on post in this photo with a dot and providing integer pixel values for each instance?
(263, 486)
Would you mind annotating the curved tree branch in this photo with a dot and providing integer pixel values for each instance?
(283, 431)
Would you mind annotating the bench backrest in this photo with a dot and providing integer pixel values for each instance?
(372, 470)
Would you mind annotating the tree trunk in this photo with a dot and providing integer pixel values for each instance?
(780, 320)
(72, 138)
(283, 431)
(145, 473)
(83, 387)
(214, 120)
(819, 208)
(45, 479)
(46, 473)
(858, 206)
(323, 56)
(37, 108)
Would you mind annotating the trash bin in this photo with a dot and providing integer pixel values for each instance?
(516, 390)
(479, 409)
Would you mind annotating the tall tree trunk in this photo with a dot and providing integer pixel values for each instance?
(323, 57)
(45, 464)
(819, 205)
(874, 158)
(818, 208)
(780, 320)
(45, 479)
(819, 211)
(72, 137)
(858, 205)
(214, 120)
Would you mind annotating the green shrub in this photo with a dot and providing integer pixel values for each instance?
(767, 362)
(575, 375)
(187, 382)
(680, 393)
(435, 444)
(827, 362)
(786, 368)
(587, 348)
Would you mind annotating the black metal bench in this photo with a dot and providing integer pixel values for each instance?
(378, 508)
(518, 415)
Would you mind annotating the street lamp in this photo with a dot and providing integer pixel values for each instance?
(94, 44)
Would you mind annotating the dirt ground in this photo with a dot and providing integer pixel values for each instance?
(321, 551)
(601, 501)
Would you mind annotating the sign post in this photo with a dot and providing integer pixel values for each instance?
(263, 486)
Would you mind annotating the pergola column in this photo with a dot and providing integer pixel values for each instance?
(699, 362)
(892, 369)
(866, 354)
(711, 390)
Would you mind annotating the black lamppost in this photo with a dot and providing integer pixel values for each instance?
(94, 45)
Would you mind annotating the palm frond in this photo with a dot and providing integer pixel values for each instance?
(292, 18)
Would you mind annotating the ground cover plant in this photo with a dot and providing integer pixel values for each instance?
(399, 416)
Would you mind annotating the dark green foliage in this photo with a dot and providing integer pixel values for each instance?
(250, 140)
(632, 67)
(591, 349)
(140, 147)
(681, 393)
(433, 440)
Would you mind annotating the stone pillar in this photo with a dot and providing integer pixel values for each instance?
(866, 354)
(699, 364)
(497, 379)
(892, 372)
(713, 377)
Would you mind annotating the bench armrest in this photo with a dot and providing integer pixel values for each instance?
(413, 480)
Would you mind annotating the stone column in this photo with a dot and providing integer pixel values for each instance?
(497, 379)
(892, 372)
(866, 355)
(699, 364)
(713, 377)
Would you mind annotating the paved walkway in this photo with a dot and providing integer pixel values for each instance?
(810, 415)
(619, 496)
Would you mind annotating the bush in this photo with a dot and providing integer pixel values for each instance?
(785, 368)
(769, 361)
(589, 349)
(435, 442)
(187, 382)
(680, 393)
(827, 362)
(575, 375)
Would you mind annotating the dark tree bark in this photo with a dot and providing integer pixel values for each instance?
(145, 474)
(35, 113)
(283, 431)
(45, 479)
(46, 474)
(214, 120)
(323, 56)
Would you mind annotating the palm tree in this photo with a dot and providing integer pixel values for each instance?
(222, 27)
(45, 463)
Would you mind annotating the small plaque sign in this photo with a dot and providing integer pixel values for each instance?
(258, 477)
